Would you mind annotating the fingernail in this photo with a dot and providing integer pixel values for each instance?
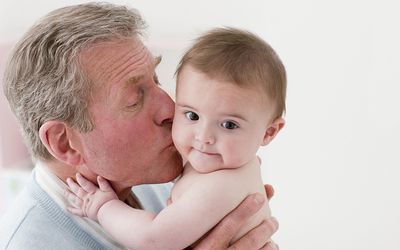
(272, 245)
(259, 199)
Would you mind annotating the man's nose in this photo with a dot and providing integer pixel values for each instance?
(165, 108)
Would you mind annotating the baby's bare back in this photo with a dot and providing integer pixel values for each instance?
(222, 191)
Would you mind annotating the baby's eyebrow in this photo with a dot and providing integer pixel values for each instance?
(184, 105)
(238, 116)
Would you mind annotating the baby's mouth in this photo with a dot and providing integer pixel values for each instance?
(205, 152)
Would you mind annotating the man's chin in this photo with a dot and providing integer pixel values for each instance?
(170, 172)
(172, 175)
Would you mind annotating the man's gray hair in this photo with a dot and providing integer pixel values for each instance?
(43, 79)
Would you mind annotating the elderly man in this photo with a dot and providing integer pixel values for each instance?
(84, 90)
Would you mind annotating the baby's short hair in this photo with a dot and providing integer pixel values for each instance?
(240, 57)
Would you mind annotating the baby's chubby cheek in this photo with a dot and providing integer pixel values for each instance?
(233, 158)
(177, 139)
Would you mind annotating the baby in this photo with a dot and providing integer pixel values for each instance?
(230, 98)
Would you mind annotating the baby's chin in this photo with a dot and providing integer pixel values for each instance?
(206, 164)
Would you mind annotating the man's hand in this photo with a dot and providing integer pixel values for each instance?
(257, 238)
(269, 190)
(86, 197)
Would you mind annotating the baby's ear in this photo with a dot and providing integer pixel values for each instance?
(58, 138)
(273, 130)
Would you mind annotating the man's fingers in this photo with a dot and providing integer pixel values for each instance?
(258, 237)
(103, 184)
(223, 233)
(259, 159)
(269, 189)
(234, 220)
(88, 186)
(270, 246)
(247, 208)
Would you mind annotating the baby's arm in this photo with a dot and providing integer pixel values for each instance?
(102, 204)
(175, 227)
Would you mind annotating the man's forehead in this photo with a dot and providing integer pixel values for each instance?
(107, 55)
(113, 47)
(137, 78)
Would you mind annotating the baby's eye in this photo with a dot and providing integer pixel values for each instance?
(229, 125)
(191, 116)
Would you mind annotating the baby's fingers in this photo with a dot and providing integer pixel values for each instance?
(75, 188)
(103, 184)
(73, 199)
(85, 184)
(76, 211)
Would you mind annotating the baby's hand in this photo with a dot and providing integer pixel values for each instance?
(86, 197)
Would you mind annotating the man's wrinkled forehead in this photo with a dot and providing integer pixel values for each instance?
(137, 78)
(101, 61)
(114, 48)
(112, 64)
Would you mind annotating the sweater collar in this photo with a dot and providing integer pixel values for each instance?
(55, 187)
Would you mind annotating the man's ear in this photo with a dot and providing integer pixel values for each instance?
(273, 130)
(57, 137)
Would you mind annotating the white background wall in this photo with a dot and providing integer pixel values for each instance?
(335, 166)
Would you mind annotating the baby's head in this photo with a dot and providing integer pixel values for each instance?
(230, 97)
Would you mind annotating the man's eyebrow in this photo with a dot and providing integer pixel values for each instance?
(134, 79)
(157, 60)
